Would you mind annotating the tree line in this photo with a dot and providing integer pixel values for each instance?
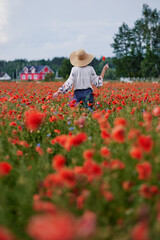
(61, 65)
(137, 49)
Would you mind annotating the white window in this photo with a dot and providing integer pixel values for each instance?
(29, 77)
(26, 70)
(23, 77)
(32, 70)
(35, 77)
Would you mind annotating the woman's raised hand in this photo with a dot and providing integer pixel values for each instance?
(106, 67)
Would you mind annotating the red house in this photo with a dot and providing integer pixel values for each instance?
(34, 72)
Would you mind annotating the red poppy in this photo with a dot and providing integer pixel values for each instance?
(53, 119)
(79, 138)
(68, 177)
(33, 119)
(120, 121)
(5, 234)
(39, 150)
(144, 170)
(140, 231)
(58, 161)
(136, 152)
(5, 168)
(117, 164)
(88, 154)
(127, 185)
(105, 134)
(44, 206)
(86, 225)
(19, 153)
(108, 196)
(51, 226)
(105, 152)
(118, 134)
(133, 133)
(156, 111)
(146, 143)
(49, 150)
(103, 58)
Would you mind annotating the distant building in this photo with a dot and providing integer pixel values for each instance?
(127, 80)
(4, 76)
(34, 73)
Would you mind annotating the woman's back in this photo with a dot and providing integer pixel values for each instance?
(82, 77)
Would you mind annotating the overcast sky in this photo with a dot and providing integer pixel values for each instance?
(36, 29)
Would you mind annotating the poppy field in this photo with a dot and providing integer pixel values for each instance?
(69, 173)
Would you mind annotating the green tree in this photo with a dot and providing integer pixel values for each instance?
(150, 66)
(65, 68)
(135, 47)
(49, 77)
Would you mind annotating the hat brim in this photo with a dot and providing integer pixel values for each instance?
(80, 63)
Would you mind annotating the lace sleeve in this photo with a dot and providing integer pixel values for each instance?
(97, 81)
(67, 86)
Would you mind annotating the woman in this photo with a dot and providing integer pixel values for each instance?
(82, 77)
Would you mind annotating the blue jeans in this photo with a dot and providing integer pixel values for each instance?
(84, 95)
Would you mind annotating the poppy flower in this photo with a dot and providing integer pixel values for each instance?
(105, 134)
(88, 154)
(58, 161)
(86, 225)
(117, 164)
(105, 152)
(103, 58)
(51, 226)
(144, 170)
(39, 150)
(5, 168)
(79, 138)
(5, 234)
(133, 133)
(118, 134)
(19, 153)
(147, 191)
(120, 121)
(33, 119)
(136, 152)
(49, 150)
(44, 206)
(68, 177)
(53, 119)
(127, 185)
(140, 231)
(156, 111)
(108, 195)
(146, 143)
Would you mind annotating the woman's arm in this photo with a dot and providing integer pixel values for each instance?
(104, 70)
(66, 87)
(97, 81)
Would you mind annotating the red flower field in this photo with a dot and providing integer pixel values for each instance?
(67, 173)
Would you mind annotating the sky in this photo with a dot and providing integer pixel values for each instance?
(44, 29)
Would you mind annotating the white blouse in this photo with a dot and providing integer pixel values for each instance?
(81, 78)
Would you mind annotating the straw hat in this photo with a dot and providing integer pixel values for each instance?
(80, 58)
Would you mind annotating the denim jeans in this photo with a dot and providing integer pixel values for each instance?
(84, 95)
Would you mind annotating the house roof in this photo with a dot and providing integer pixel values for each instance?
(2, 74)
(38, 69)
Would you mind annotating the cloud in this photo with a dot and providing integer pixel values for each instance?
(35, 29)
(3, 21)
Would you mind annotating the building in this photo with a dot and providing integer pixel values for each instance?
(35, 73)
(4, 77)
